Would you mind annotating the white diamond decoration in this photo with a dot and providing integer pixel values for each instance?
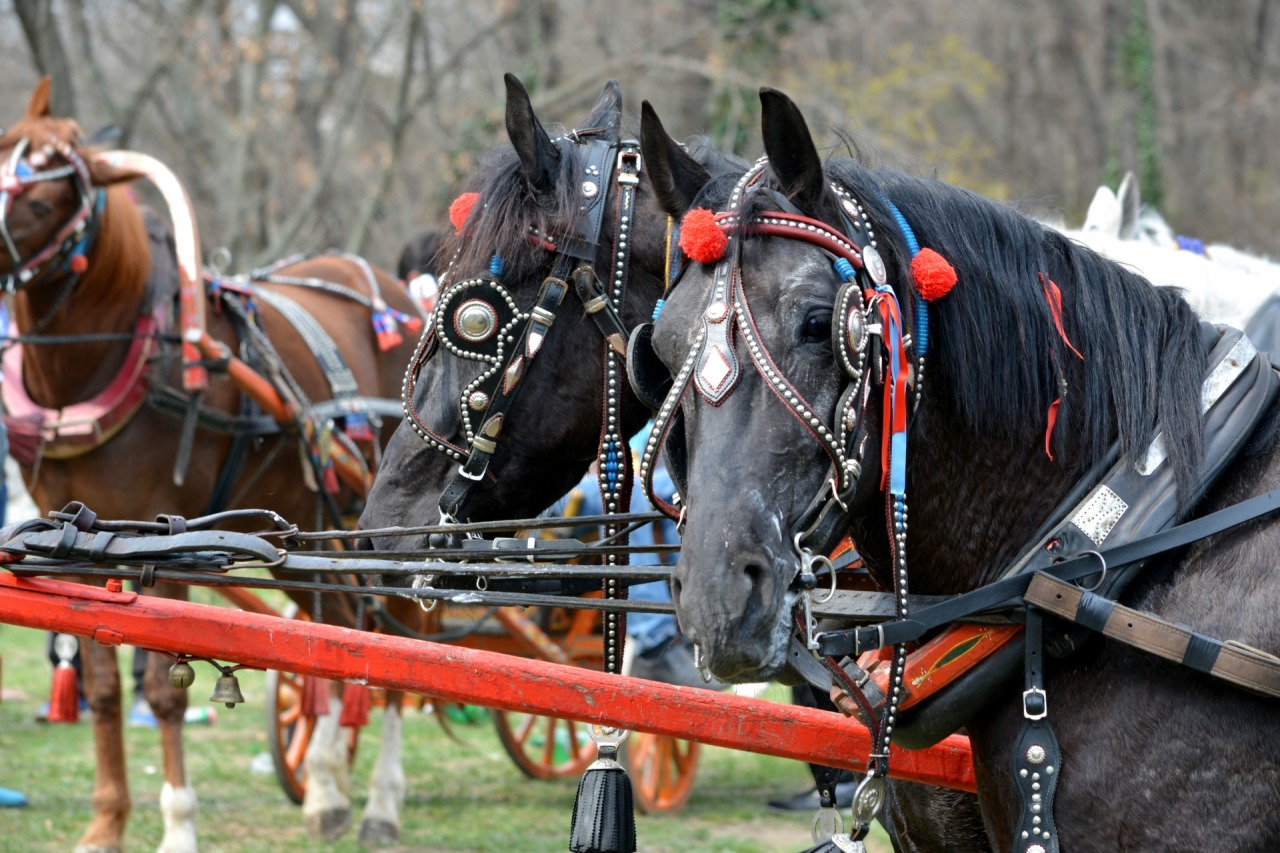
(1100, 514)
(715, 369)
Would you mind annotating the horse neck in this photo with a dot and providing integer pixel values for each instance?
(108, 298)
(973, 502)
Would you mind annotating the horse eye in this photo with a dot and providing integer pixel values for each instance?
(41, 208)
(817, 328)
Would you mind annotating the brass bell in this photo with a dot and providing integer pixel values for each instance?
(181, 675)
(227, 690)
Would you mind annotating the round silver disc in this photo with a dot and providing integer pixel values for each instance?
(478, 401)
(590, 189)
(475, 320)
(875, 265)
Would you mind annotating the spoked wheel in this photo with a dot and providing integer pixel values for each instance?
(289, 731)
(661, 770)
(544, 747)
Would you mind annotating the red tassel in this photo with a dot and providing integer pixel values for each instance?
(933, 274)
(355, 705)
(461, 209)
(315, 696)
(331, 484)
(701, 237)
(64, 700)
(1048, 431)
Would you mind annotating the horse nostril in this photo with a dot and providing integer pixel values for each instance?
(676, 586)
(755, 574)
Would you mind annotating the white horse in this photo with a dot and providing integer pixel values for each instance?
(1223, 284)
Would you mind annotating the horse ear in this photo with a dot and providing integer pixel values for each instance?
(1104, 213)
(794, 158)
(607, 113)
(538, 154)
(1130, 202)
(38, 106)
(675, 177)
(104, 174)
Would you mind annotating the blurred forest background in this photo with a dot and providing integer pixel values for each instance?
(308, 124)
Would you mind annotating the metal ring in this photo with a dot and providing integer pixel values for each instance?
(813, 561)
(482, 583)
(424, 582)
(1101, 559)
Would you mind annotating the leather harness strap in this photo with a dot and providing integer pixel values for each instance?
(1231, 661)
(1009, 592)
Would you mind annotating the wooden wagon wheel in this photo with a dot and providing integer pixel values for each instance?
(662, 770)
(544, 747)
(289, 730)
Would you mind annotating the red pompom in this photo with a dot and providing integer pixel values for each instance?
(78, 264)
(701, 237)
(933, 274)
(461, 209)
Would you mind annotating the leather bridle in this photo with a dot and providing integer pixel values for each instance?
(75, 237)
(865, 308)
(478, 319)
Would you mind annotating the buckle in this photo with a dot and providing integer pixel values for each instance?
(625, 177)
(1035, 698)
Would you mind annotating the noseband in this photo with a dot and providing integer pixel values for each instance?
(74, 239)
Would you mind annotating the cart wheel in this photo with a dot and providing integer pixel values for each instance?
(289, 731)
(661, 770)
(544, 747)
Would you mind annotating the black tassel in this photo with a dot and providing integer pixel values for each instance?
(604, 815)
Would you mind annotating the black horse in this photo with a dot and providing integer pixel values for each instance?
(552, 430)
(1154, 757)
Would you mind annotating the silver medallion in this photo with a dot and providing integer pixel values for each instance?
(475, 321)
(849, 207)
(855, 331)
(479, 401)
(875, 265)
(717, 311)
(590, 189)
(1035, 753)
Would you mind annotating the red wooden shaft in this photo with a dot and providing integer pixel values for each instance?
(465, 675)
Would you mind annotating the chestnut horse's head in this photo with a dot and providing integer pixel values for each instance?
(51, 191)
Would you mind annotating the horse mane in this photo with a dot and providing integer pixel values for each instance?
(507, 210)
(996, 357)
(121, 254)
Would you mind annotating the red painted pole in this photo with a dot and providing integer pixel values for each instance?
(464, 675)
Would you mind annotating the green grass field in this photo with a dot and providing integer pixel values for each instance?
(462, 796)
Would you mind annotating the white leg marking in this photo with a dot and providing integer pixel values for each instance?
(386, 787)
(327, 776)
(179, 807)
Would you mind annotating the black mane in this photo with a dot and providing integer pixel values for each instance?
(507, 209)
(995, 352)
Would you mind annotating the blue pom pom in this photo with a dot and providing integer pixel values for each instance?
(844, 269)
(496, 265)
(657, 309)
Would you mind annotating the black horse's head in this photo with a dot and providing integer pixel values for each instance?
(754, 462)
(527, 195)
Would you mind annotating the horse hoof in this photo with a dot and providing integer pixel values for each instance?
(378, 833)
(330, 824)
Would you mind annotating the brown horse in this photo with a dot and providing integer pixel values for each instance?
(127, 471)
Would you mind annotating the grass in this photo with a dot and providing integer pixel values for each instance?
(462, 796)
